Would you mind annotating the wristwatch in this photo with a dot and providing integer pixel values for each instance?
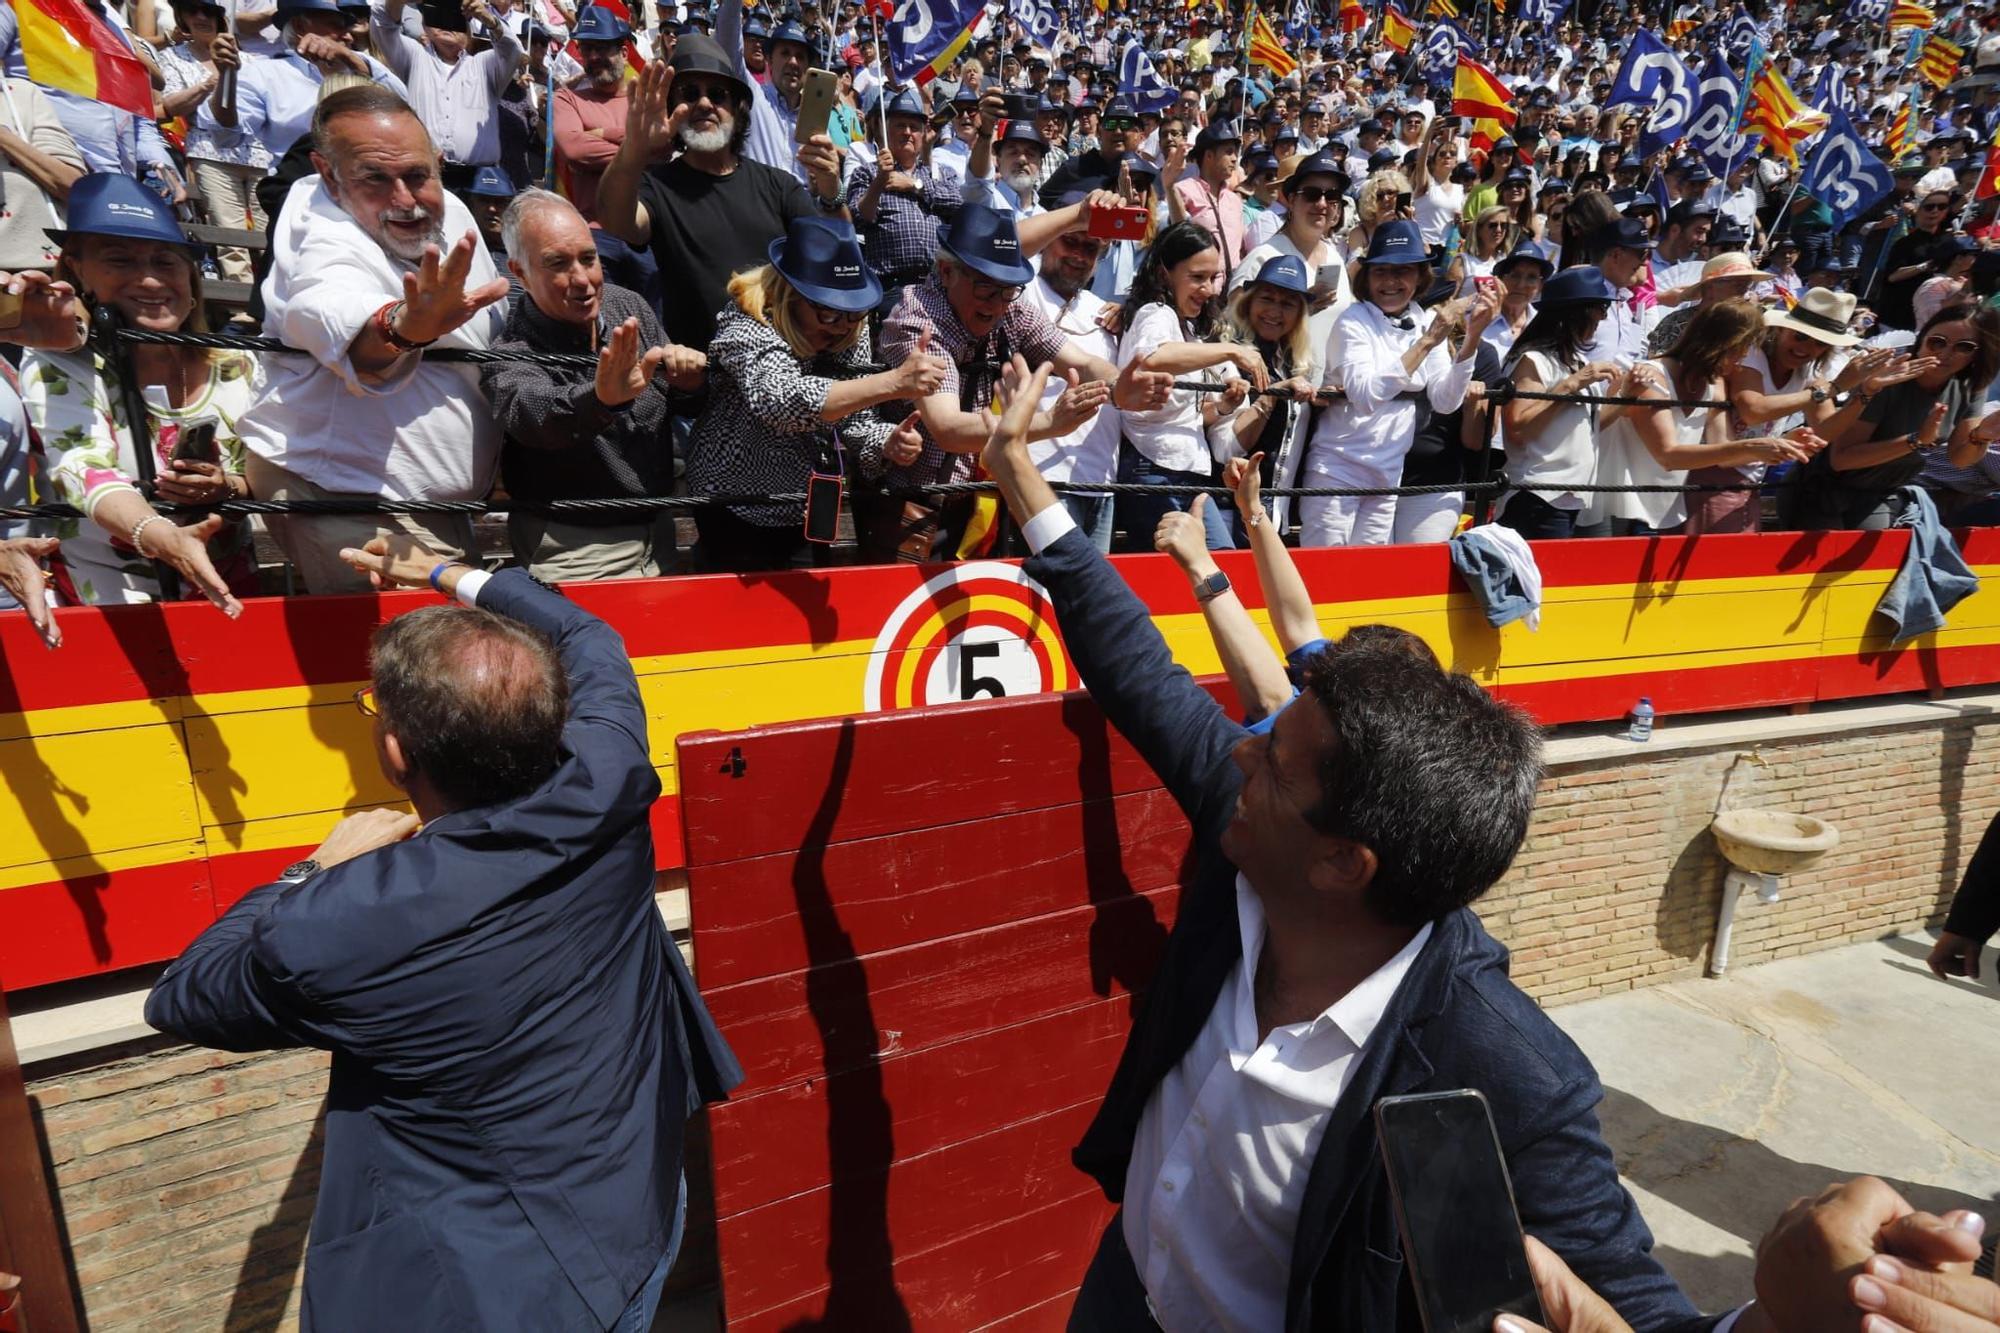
(298, 872)
(1211, 587)
(1820, 393)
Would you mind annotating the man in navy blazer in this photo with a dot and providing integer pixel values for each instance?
(516, 1043)
(1334, 856)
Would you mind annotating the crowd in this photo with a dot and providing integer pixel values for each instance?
(799, 275)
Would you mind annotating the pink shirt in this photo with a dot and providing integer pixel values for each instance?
(1221, 214)
(580, 154)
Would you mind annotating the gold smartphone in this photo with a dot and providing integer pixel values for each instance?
(816, 103)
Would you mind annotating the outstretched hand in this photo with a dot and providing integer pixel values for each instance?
(397, 560)
(435, 297)
(623, 371)
(21, 574)
(1020, 395)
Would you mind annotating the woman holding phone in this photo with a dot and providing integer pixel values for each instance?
(124, 249)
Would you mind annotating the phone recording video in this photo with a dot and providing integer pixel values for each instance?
(1455, 1208)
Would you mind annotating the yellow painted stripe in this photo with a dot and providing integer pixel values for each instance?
(100, 863)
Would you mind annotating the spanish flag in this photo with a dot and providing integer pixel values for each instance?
(1680, 28)
(1262, 46)
(1939, 61)
(1477, 92)
(1989, 179)
(1910, 14)
(1397, 30)
(1352, 16)
(68, 48)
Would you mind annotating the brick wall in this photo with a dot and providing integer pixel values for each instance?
(186, 1178)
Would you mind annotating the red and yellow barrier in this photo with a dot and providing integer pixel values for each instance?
(166, 760)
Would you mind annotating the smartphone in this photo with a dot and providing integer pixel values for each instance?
(1118, 224)
(822, 508)
(10, 310)
(195, 443)
(1482, 285)
(816, 103)
(1404, 202)
(1455, 1208)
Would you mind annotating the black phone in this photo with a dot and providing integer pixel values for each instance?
(822, 508)
(1455, 1208)
(196, 444)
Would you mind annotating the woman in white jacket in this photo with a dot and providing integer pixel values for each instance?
(1383, 353)
(1269, 313)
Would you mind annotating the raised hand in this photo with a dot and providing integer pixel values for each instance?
(1180, 535)
(652, 121)
(330, 56)
(623, 371)
(1481, 311)
(222, 50)
(50, 315)
(822, 163)
(1140, 390)
(922, 372)
(435, 299)
(1078, 403)
(1898, 370)
(1245, 477)
(1020, 394)
(186, 551)
(21, 574)
(906, 442)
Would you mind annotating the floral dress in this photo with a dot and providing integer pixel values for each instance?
(76, 406)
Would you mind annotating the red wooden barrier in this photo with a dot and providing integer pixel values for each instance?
(922, 932)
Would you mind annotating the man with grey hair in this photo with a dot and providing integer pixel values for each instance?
(574, 434)
(374, 263)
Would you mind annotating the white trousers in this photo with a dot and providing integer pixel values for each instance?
(1428, 518)
(1346, 520)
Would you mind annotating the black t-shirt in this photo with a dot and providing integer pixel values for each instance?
(1895, 308)
(707, 228)
(1436, 456)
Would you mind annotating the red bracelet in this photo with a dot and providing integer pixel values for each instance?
(385, 324)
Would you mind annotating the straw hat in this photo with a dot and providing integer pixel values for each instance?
(1821, 314)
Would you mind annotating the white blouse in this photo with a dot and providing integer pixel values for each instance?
(1361, 439)
(1171, 435)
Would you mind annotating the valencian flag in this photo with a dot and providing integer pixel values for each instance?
(1774, 110)
(925, 36)
(1902, 134)
(1910, 14)
(1448, 8)
(1939, 61)
(1478, 93)
(68, 48)
(1262, 47)
(1397, 30)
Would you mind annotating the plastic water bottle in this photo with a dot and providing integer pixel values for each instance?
(1642, 721)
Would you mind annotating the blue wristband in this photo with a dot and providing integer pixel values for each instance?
(442, 566)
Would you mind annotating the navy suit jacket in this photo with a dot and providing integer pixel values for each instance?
(516, 1043)
(1457, 1021)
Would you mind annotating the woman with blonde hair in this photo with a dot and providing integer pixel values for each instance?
(1384, 197)
(1491, 240)
(788, 397)
(124, 249)
(1643, 445)
(1269, 313)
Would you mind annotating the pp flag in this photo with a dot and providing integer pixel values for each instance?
(1831, 92)
(1868, 11)
(1844, 175)
(1654, 76)
(1739, 32)
(925, 35)
(1397, 30)
(1038, 18)
(1544, 14)
(1138, 80)
(1437, 57)
(67, 48)
(1477, 92)
(1713, 132)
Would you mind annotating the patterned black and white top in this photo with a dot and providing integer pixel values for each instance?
(761, 432)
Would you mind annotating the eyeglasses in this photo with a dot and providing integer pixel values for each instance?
(828, 318)
(985, 289)
(364, 699)
(1964, 347)
(1932, 208)
(1315, 194)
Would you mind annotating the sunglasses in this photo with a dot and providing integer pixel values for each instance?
(1932, 208)
(718, 92)
(1964, 347)
(1494, 226)
(1315, 194)
(828, 318)
(1115, 123)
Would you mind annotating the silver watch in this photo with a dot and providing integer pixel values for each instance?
(298, 872)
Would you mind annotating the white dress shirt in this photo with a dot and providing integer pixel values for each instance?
(1090, 452)
(425, 434)
(1226, 1144)
(1621, 337)
(275, 99)
(458, 102)
(1362, 438)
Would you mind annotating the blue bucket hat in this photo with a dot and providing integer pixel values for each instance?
(821, 259)
(107, 203)
(1397, 242)
(598, 24)
(493, 183)
(1577, 286)
(1285, 272)
(1527, 252)
(986, 242)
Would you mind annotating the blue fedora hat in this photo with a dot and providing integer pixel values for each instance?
(1577, 286)
(493, 183)
(790, 31)
(598, 24)
(1527, 252)
(1625, 233)
(1285, 272)
(905, 102)
(1397, 242)
(821, 259)
(107, 203)
(986, 242)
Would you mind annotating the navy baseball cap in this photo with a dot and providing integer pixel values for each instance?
(598, 24)
(1285, 272)
(1624, 233)
(491, 182)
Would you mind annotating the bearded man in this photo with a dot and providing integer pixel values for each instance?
(373, 263)
(712, 211)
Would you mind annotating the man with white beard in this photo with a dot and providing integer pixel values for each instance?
(1017, 170)
(712, 211)
(374, 262)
